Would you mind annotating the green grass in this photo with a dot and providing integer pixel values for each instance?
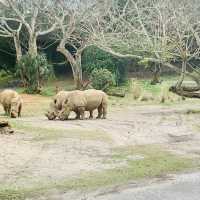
(48, 134)
(49, 89)
(154, 89)
(11, 194)
(192, 111)
(167, 80)
(156, 162)
(20, 90)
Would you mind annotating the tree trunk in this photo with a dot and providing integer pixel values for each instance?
(181, 79)
(18, 50)
(75, 63)
(78, 81)
(186, 91)
(32, 45)
(156, 75)
(32, 51)
(78, 76)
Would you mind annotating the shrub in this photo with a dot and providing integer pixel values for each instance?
(102, 79)
(94, 58)
(33, 72)
(3, 73)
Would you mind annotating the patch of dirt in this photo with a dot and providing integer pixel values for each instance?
(24, 162)
(134, 125)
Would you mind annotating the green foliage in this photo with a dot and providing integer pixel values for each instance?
(5, 78)
(102, 79)
(3, 73)
(33, 72)
(94, 58)
(144, 62)
(7, 55)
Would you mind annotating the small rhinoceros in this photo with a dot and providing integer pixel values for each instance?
(11, 102)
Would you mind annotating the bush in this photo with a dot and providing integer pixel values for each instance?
(102, 79)
(33, 72)
(3, 73)
(94, 58)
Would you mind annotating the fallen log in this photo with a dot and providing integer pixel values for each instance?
(116, 94)
(183, 93)
(191, 89)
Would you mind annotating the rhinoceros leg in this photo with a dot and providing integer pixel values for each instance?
(77, 115)
(19, 110)
(82, 112)
(100, 111)
(9, 109)
(5, 109)
(104, 107)
(91, 114)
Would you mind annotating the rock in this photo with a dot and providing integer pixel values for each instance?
(5, 128)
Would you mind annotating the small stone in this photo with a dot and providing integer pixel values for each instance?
(5, 128)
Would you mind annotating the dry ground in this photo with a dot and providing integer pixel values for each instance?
(43, 152)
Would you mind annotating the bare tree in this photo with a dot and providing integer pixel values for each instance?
(77, 21)
(32, 14)
(161, 32)
(10, 28)
(181, 33)
(153, 31)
